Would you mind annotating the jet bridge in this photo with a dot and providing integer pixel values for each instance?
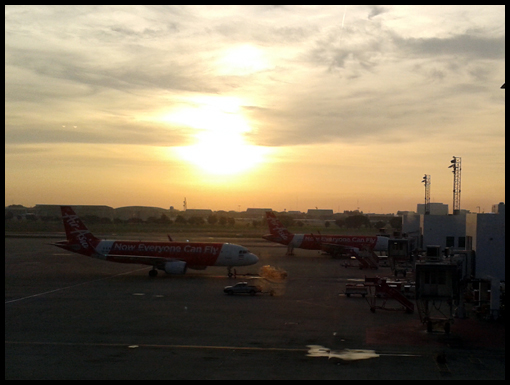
(400, 256)
(437, 289)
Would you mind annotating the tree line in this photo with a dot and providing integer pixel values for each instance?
(162, 220)
(350, 222)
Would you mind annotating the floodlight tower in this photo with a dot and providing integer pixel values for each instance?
(456, 163)
(426, 180)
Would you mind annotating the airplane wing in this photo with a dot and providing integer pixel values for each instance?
(157, 262)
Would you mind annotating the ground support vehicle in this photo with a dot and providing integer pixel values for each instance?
(356, 288)
(242, 288)
(380, 290)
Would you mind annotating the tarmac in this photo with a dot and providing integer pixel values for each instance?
(71, 317)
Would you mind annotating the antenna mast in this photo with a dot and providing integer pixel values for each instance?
(426, 180)
(456, 164)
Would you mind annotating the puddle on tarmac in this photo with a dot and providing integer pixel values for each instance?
(345, 354)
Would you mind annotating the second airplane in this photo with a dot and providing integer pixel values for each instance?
(335, 245)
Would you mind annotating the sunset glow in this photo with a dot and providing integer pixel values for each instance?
(218, 129)
(221, 153)
(285, 107)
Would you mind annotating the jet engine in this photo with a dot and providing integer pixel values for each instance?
(175, 267)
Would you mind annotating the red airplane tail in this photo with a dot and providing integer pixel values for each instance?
(278, 232)
(79, 237)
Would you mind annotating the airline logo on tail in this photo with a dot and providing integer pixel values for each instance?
(278, 233)
(78, 236)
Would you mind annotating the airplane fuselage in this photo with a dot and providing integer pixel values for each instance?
(374, 243)
(194, 254)
(172, 257)
(316, 242)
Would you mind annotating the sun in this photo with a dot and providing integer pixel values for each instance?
(220, 130)
(219, 153)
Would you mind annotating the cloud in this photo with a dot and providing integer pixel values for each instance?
(467, 46)
(102, 66)
(330, 85)
(138, 133)
(376, 10)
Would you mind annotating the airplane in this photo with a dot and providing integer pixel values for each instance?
(336, 245)
(171, 257)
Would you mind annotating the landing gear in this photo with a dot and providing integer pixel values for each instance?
(230, 274)
(153, 273)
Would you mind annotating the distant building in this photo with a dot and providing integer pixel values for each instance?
(401, 213)
(482, 233)
(19, 212)
(499, 208)
(256, 212)
(139, 212)
(412, 227)
(320, 213)
(486, 236)
(353, 212)
(383, 219)
(444, 230)
(380, 217)
(81, 210)
(435, 209)
(203, 213)
(296, 214)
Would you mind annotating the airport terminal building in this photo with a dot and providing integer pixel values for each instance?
(484, 233)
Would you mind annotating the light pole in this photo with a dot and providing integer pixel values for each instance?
(456, 164)
(426, 180)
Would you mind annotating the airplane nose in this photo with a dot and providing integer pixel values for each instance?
(252, 259)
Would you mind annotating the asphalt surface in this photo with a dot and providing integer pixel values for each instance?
(72, 317)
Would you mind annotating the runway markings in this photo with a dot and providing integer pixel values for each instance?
(72, 286)
(159, 346)
(203, 347)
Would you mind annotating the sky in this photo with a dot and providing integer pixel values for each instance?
(290, 107)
